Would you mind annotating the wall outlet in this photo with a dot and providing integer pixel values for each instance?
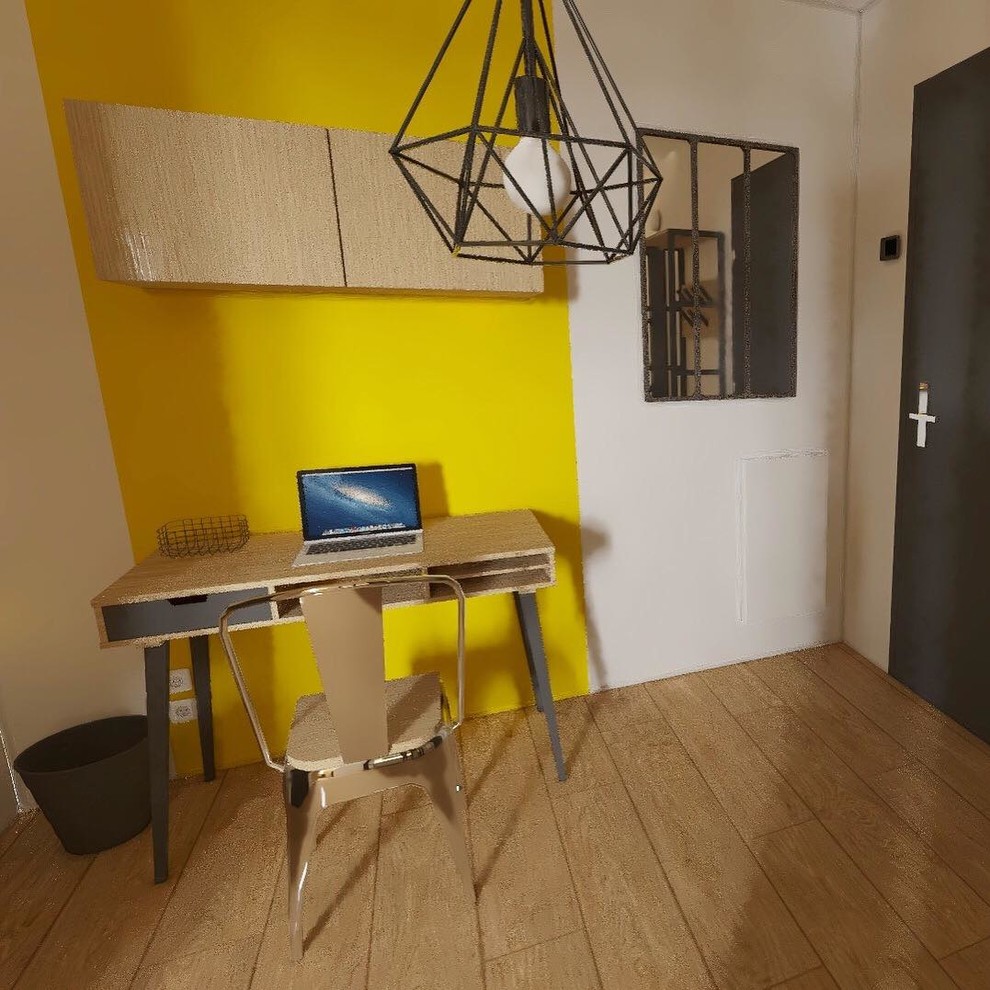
(182, 710)
(179, 681)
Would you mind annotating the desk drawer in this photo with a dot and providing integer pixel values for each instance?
(146, 620)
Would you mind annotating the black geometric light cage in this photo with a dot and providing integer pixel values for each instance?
(460, 175)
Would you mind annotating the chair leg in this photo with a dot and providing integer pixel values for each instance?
(443, 781)
(301, 813)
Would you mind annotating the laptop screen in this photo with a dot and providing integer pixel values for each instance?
(352, 501)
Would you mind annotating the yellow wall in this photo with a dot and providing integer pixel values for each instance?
(215, 399)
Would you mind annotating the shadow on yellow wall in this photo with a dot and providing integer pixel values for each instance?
(215, 399)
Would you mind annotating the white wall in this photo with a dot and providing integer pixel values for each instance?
(62, 530)
(660, 508)
(904, 42)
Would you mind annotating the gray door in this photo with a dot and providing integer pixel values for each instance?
(8, 799)
(940, 621)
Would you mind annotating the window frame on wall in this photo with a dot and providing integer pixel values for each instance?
(746, 148)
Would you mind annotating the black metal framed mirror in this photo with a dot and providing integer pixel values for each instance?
(719, 265)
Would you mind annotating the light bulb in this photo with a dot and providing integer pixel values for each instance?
(529, 168)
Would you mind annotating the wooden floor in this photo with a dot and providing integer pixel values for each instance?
(801, 822)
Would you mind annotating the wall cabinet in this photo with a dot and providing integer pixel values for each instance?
(175, 198)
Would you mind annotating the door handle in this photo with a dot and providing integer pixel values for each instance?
(922, 417)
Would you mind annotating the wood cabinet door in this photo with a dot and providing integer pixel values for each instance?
(388, 240)
(188, 198)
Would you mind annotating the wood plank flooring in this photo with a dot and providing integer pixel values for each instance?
(796, 823)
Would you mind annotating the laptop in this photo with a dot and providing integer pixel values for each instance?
(353, 513)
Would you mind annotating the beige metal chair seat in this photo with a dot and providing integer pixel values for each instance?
(414, 714)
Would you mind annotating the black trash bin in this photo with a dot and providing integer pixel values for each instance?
(91, 781)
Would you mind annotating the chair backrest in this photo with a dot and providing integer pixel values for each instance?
(345, 630)
(344, 622)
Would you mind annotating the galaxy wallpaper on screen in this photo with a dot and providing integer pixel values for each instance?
(359, 502)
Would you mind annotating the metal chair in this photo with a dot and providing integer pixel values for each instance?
(364, 734)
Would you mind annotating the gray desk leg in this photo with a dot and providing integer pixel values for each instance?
(199, 646)
(532, 634)
(156, 688)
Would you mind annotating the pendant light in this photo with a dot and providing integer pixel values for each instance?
(513, 179)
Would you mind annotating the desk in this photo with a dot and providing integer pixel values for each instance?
(165, 598)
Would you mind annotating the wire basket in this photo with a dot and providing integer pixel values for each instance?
(202, 536)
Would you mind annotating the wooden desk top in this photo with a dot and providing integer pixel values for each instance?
(454, 545)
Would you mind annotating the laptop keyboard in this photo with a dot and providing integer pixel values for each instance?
(369, 543)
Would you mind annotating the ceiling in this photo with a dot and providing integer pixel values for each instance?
(851, 5)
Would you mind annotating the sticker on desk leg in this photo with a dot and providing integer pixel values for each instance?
(182, 710)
